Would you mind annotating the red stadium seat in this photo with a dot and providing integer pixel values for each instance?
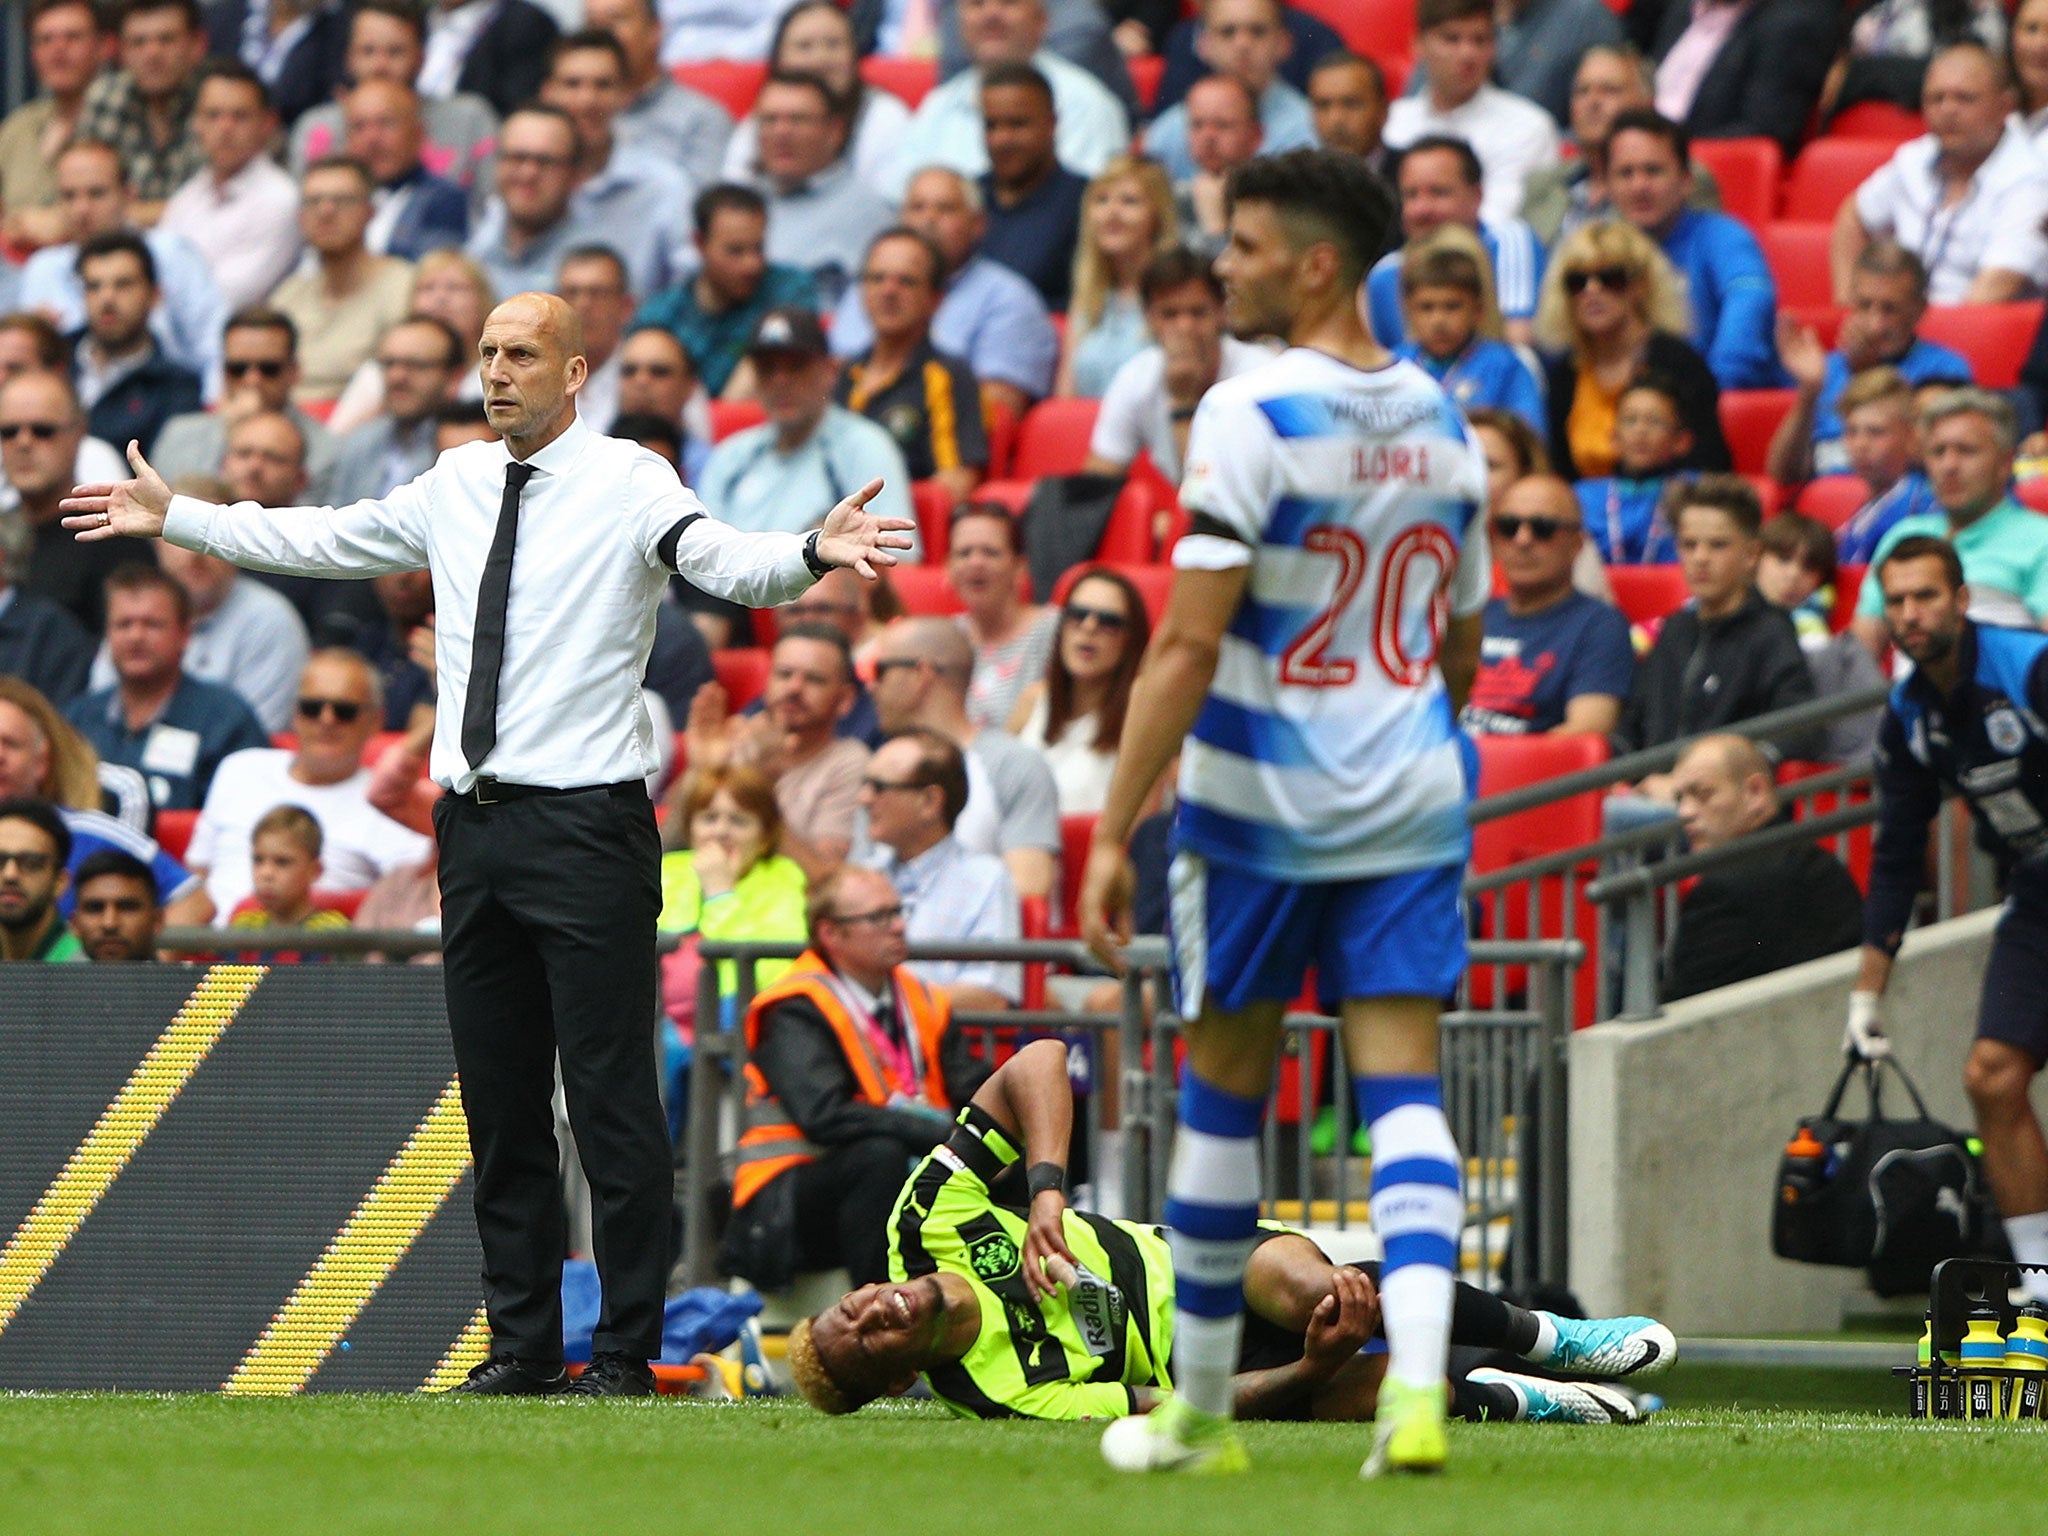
(1833, 499)
(1994, 337)
(1001, 424)
(732, 83)
(1798, 257)
(910, 80)
(1645, 593)
(1147, 70)
(1827, 172)
(1748, 418)
(174, 832)
(1884, 120)
(1380, 29)
(1747, 171)
(1769, 494)
(932, 504)
(1154, 583)
(2032, 492)
(1014, 494)
(1076, 832)
(1147, 494)
(1825, 319)
(743, 672)
(1849, 581)
(1053, 438)
(730, 416)
(925, 590)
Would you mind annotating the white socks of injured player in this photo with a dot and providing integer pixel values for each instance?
(1418, 1210)
(1212, 1216)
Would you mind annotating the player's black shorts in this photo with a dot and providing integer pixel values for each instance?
(1267, 1345)
(2014, 1007)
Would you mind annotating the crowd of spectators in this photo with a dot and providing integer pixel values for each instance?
(259, 238)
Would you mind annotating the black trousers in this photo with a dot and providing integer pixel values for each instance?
(843, 1198)
(548, 907)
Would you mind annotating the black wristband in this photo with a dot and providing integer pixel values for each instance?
(817, 566)
(1040, 1177)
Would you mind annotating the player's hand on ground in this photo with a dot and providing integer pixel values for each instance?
(1107, 887)
(1863, 1036)
(1342, 1321)
(1045, 1238)
(853, 536)
(131, 509)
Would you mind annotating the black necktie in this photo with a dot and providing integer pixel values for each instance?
(890, 1025)
(487, 645)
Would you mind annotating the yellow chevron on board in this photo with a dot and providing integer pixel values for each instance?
(464, 1355)
(363, 1254)
(122, 1127)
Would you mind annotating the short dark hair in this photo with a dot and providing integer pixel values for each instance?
(644, 427)
(261, 317)
(923, 242)
(1176, 267)
(1795, 536)
(456, 346)
(726, 197)
(141, 576)
(43, 817)
(1730, 494)
(823, 634)
(1245, 93)
(593, 251)
(49, 344)
(835, 106)
(1335, 194)
(408, 13)
(1649, 120)
(1344, 58)
(995, 511)
(1014, 74)
(1429, 265)
(553, 114)
(1469, 167)
(120, 864)
(1659, 384)
(1925, 546)
(1888, 258)
(354, 167)
(189, 9)
(218, 68)
(940, 764)
(117, 242)
(38, 8)
(1430, 14)
(589, 39)
(461, 413)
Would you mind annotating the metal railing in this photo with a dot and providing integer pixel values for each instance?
(1503, 1065)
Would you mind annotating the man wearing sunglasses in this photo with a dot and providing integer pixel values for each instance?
(259, 369)
(1551, 659)
(35, 847)
(854, 1069)
(340, 707)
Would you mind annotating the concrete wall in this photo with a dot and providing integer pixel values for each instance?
(1677, 1127)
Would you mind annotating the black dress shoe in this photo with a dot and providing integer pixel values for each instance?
(509, 1376)
(614, 1375)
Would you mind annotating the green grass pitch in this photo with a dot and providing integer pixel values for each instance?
(1832, 1452)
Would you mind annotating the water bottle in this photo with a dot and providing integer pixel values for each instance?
(2027, 1351)
(1923, 1397)
(1983, 1346)
(1804, 1170)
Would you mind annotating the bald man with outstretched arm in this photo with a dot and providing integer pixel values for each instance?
(549, 551)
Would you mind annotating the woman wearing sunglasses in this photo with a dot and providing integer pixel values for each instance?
(1074, 715)
(1612, 310)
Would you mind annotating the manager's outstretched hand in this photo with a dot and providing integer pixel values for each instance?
(851, 535)
(132, 509)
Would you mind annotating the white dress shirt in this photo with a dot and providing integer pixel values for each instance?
(1511, 137)
(1994, 226)
(596, 523)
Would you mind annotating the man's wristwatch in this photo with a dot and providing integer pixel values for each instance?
(817, 566)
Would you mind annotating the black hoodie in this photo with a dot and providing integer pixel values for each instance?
(1704, 675)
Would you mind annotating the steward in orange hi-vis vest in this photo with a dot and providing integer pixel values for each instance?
(838, 1104)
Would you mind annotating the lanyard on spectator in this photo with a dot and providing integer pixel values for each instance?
(1939, 249)
(1616, 538)
(906, 1061)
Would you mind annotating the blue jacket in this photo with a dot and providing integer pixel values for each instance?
(1988, 741)
(140, 402)
(1622, 517)
(1486, 373)
(1734, 301)
(435, 215)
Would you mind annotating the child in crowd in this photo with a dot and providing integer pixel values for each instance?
(1796, 572)
(1623, 511)
(1454, 326)
(284, 856)
(1883, 450)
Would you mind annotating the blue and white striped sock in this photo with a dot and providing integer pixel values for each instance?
(1418, 1211)
(1212, 1212)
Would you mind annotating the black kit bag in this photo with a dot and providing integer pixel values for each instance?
(1063, 525)
(1895, 1196)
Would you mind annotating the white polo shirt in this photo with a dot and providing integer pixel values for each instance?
(1136, 412)
(1511, 135)
(1995, 226)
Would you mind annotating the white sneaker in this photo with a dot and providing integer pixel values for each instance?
(1564, 1402)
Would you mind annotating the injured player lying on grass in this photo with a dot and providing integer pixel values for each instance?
(1052, 1313)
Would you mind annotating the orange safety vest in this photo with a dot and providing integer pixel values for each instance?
(771, 1142)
